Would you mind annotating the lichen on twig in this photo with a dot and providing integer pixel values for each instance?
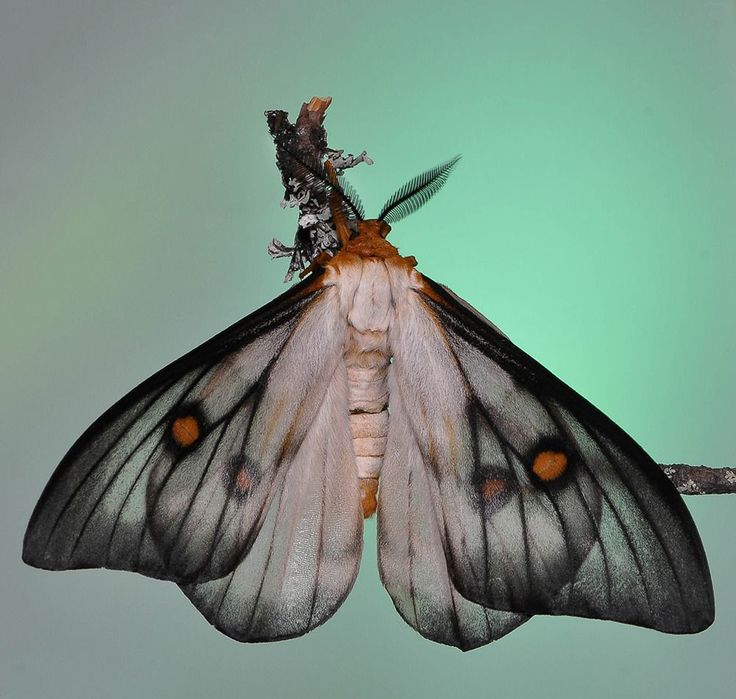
(307, 139)
(701, 480)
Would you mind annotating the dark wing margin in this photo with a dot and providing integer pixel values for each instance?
(547, 506)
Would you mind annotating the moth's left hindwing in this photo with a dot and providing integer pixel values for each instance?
(229, 472)
(538, 503)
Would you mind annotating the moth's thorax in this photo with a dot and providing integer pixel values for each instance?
(369, 241)
(369, 288)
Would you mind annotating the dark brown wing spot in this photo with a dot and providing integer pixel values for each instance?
(492, 487)
(242, 482)
(239, 477)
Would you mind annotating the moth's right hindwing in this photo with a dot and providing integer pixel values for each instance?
(411, 556)
(226, 451)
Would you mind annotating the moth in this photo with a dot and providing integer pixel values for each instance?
(243, 470)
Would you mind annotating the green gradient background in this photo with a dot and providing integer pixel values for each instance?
(592, 218)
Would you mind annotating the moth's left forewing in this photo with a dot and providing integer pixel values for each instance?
(546, 505)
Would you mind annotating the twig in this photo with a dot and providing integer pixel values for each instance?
(315, 234)
(307, 139)
(701, 480)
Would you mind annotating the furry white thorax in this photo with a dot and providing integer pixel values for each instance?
(370, 291)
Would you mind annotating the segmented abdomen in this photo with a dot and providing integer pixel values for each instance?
(367, 359)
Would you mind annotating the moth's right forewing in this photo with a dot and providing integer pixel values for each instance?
(204, 508)
(136, 493)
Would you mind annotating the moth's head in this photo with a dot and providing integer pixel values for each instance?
(373, 227)
(345, 207)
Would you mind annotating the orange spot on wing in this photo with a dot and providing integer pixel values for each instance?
(185, 430)
(549, 465)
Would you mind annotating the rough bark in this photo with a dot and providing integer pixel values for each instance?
(701, 480)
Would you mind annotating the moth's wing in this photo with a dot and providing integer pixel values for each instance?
(175, 480)
(305, 558)
(545, 505)
(411, 555)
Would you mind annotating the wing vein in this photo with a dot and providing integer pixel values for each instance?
(119, 470)
(624, 531)
(605, 451)
(505, 446)
(588, 511)
(323, 492)
(97, 461)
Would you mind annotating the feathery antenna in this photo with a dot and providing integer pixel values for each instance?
(417, 192)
